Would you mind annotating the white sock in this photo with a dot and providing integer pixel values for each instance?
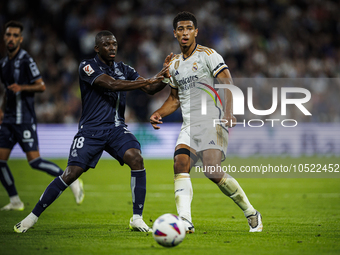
(136, 217)
(29, 221)
(230, 187)
(183, 195)
(15, 199)
(74, 186)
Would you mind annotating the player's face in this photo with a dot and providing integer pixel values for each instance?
(185, 33)
(12, 38)
(107, 49)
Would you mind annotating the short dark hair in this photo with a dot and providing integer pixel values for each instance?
(182, 16)
(100, 35)
(14, 23)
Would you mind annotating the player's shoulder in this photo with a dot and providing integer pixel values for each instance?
(173, 59)
(24, 56)
(124, 67)
(85, 62)
(205, 50)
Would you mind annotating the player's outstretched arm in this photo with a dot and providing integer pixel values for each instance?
(110, 83)
(169, 106)
(225, 77)
(152, 89)
(37, 86)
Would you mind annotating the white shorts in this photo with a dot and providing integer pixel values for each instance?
(203, 137)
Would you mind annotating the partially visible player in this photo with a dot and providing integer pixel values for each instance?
(192, 73)
(21, 78)
(103, 85)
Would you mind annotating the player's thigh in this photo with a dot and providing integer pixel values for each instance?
(120, 142)
(214, 142)
(27, 137)
(87, 148)
(7, 140)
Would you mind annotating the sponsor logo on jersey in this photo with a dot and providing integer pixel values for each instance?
(187, 80)
(176, 73)
(195, 67)
(88, 70)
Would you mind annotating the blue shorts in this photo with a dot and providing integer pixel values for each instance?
(24, 134)
(88, 146)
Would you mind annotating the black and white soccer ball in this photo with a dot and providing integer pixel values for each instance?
(168, 230)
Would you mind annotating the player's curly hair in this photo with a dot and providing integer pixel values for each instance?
(14, 23)
(183, 16)
(101, 34)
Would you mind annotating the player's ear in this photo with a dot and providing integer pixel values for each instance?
(196, 32)
(21, 39)
(96, 48)
(175, 33)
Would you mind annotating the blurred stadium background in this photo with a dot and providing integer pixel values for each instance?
(258, 39)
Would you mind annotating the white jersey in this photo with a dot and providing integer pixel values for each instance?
(194, 79)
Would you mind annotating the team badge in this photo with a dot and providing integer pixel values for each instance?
(195, 67)
(176, 64)
(88, 70)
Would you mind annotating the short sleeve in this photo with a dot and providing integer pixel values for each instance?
(131, 73)
(215, 62)
(89, 71)
(32, 69)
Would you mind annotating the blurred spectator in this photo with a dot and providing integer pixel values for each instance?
(262, 38)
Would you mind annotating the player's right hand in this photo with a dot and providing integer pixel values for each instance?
(156, 119)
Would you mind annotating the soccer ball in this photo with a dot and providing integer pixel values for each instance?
(168, 230)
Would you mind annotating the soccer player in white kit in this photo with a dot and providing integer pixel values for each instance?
(192, 75)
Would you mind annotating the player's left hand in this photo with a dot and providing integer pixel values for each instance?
(155, 119)
(15, 87)
(231, 120)
(166, 63)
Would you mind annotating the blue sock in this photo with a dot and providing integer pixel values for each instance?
(138, 189)
(52, 192)
(7, 179)
(46, 166)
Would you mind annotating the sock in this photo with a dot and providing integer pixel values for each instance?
(74, 186)
(7, 179)
(138, 190)
(230, 187)
(52, 192)
(29, 221)
(15, 199)
(46, 166)
(183, 195)
(136, 217)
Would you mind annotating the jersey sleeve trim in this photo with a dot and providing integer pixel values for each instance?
(219, 70)
(172, 86)
(96, 78)
(35, 78)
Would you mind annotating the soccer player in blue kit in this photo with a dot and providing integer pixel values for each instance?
(103, 85)
(21, 78)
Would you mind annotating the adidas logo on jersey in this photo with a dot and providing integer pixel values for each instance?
(212, 142)
(176, 73)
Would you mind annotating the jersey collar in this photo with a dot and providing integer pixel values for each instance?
(192, 53)
(103, 65)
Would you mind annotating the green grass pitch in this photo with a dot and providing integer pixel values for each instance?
(300, 215)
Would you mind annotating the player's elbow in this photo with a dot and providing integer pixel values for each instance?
(42, 87)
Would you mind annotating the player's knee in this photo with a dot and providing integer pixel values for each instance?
(134, 159)
(71, 174)
(181, 164)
